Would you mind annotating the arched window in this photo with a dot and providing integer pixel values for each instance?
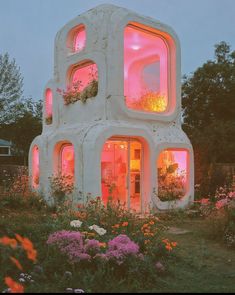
(66, 163)
(77, 38)
(79, 41)
(48, 106)
(173, 174)
(145, 70)
(83, 83)
(35, 167)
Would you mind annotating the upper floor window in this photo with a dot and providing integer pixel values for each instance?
(145, 70)
(77, 38)
(48, 105)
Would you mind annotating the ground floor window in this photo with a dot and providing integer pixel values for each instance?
(172, 168)
(35, 167)
(66, 163)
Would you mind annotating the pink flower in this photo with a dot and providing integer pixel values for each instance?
(221, 203)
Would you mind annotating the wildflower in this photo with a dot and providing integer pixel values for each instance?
(221, 203)
(121, 247)
(146, 242)
(169, 245)
(116, 226)
(76, 223)
(99, 230)
(14, 286)
(17, 263)
(27, 245)
(160, 267)
(8, 242)
(103, 245)
(92, 247)
(78, 291)
(125, 224)
(205, 201)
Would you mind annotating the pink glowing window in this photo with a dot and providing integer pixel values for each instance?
(145, 70)
(173, 172)
(67, 161)
(85, 80)
(35, 167)
(79, 39)
(48, 105)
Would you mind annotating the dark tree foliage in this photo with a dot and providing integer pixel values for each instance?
(25, 127)
(11, 83)
(208, 99)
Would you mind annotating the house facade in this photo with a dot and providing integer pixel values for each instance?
(112, 113)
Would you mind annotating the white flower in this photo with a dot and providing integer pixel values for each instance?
(79, 291)
(76, 223)
(100, 231)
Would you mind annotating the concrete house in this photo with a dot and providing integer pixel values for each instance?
(112, 113)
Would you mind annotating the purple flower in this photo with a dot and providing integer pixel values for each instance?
(120, 248)
(92, 247)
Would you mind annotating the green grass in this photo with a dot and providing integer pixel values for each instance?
(198, 265)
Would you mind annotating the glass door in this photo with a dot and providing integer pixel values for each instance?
(121, 165)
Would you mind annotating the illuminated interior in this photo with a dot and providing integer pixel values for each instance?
(85, 78)
(172, 168)
(121, 172)
(67, 161)
(48, 105)
(35, 167)
(145, 70)
(79, 39)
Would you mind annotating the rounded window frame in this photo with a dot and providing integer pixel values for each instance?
(71, 37)
(35, 185)
(59, 165)
(153, 31)
(81, 64)
(188, 172)
(47, 118)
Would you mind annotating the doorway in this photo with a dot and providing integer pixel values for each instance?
(121, 172)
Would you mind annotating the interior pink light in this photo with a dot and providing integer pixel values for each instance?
(173, 172)
(67, 160)
(35, 167)
(83, 76)
(49, 101)
(145, 70)
(121, 172)
(79, 40)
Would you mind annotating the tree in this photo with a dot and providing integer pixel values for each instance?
(20, 118)
(25, 127)
(208, 99)
(11, 83)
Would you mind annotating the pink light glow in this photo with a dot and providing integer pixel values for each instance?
(145, 71)
(67, 160)
(173, 170)
(79, 40)
(48, 102)
(84, 75)
(117, 171)
(35, 167)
